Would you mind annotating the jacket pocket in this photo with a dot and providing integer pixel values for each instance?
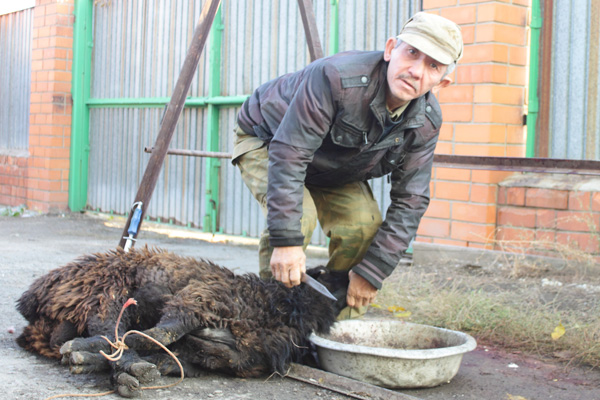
(394, 158)
(346, 135)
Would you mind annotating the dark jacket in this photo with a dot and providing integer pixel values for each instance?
(324, 126)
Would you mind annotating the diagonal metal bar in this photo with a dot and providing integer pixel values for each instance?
(310, 29)
(193, 153)
(173, 112)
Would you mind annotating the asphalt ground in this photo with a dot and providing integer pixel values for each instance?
(31, 245)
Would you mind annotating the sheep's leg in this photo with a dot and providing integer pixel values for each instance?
(128, 373)
(131, 370)
(82, 354)
(168, 366)
(85, 351)
(83, 362)
(166, 333)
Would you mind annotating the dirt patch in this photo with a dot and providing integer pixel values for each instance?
(388, 342)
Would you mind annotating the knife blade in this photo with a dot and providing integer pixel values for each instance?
(318, 286)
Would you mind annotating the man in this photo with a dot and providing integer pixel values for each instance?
(308, 142)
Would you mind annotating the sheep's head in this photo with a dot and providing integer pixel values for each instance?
(335, 281)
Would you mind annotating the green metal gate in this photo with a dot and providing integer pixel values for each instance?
(126, 61)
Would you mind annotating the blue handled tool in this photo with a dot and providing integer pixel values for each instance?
(133, 225)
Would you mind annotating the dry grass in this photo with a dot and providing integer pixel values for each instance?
(515, 306)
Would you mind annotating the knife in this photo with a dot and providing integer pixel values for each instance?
(313, 283)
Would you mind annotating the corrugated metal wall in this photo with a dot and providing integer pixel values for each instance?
(15, 79)
(575, 107)
(139, 47)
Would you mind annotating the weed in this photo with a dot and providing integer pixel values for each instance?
(12, 212)
(516, 314)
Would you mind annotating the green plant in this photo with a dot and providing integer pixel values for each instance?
(499, 309)
(13, 212)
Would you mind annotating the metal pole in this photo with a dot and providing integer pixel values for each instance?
(161, 102)
(192, 153)
(334, 27)
(213, 165)
(173, 112)
(534, 56)
(310, 29)
(543, 123)
(80, 125)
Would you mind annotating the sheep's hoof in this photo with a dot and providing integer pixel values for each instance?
(128, 386)
(92, 345)
(83, 362)
(144, 371)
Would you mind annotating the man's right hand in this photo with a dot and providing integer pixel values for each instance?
(288, 264)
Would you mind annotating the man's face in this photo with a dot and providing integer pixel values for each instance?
(411, 74)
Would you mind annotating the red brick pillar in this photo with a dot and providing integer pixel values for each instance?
(483, 115)
(50, 113)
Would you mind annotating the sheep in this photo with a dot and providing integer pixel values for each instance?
(212, 318)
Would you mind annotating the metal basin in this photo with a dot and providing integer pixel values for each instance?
(393, 354)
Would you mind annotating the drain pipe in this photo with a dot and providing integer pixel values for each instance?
(534, 61)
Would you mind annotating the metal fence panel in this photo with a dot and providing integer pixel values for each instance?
(574, 121)
(117, 163)
(366, 24)
(15, 79)
(139, 47)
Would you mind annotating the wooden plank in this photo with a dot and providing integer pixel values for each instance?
(341, 384)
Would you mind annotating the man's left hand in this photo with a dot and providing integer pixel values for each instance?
(360, 292)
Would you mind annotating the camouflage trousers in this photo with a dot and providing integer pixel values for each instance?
(349, 214)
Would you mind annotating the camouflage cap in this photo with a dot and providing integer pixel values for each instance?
(435, 36)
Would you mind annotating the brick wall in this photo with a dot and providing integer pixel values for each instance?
(40, 181)
(483, 115)
(13, 173)
(50, 120)
(550, 215)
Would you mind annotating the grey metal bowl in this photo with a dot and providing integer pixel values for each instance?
(393, 354)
